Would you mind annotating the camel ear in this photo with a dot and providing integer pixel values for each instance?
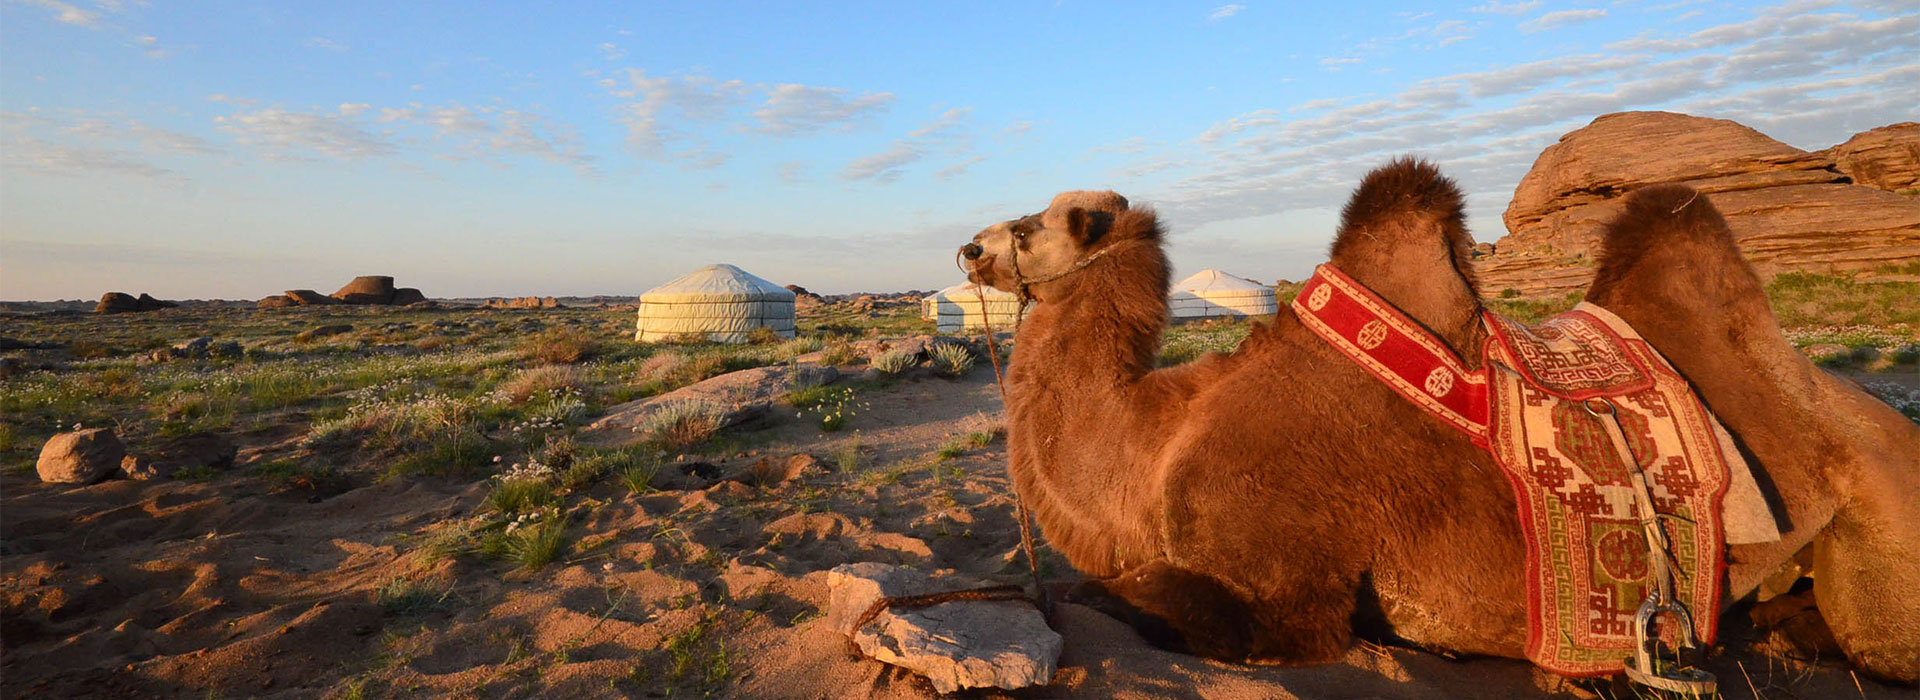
(1077, 225)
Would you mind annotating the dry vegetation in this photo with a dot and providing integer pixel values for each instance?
(426, 474)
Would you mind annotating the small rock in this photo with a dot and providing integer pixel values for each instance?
(11, 367)
(193, 348)
(229, 349)
(80, 457)
(962, 644)
(769, 471)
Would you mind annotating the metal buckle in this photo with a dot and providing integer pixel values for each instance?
(1646, 667)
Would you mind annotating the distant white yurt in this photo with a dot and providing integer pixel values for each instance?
(957, 308)
(723, 302)
(1216, 294)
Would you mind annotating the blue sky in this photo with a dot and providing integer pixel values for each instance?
(235, 150)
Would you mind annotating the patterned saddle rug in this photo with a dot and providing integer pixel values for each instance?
(1587, 567)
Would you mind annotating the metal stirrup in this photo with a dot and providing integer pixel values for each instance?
(1645, 668)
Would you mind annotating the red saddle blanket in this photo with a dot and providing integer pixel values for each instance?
(1587, 567)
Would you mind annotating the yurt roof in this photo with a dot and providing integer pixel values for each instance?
(1217, 282)
(965, 290)
(717, 283)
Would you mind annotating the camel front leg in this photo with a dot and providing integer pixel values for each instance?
(1195, 613)
(1867, 580)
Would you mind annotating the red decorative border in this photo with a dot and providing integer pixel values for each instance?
(1404, 358)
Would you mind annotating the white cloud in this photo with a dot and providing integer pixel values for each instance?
(947, 133)
(612, 52)
(883, 167)
(958, 169)
(66, 12)
(1810, 79)
(1495, 7)
(793, 109)
(1224, 11)
(1555, 20)
(320, 42)
(791, 172)
(283, 135)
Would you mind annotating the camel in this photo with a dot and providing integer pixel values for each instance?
(1267, 505)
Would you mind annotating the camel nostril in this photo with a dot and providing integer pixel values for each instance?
(972, 251)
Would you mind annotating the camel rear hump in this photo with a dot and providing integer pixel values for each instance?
(1672, 233)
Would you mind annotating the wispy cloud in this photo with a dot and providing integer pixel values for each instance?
(1842, 73)
(793, 109)
(280, 134)
(66, 13)
(1556, 20)
(612, 52)
(321, 42)
(947, 133)
(1495, 7)
(1224, 11)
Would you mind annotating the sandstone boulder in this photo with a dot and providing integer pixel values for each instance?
(148, 303)
(80, 457)
(524, 303)
(367, 289)
(747, 396)
(955, 645)
(277, 302)
(407, 295)
(1886, 158)
(1789, 209)
(190, 451)
(308, 297)
(117, 303)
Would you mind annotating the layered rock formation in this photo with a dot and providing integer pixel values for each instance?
(1886, 158)
(369, 290)
(1791, 210)
(121, 303)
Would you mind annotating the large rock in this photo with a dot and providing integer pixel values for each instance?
(190, 451)
(308, 297)
(367, 289)
(407, 295)
(747, 396)
(116, 303)
(1789, 209)
(957, 645)
(1886, 158)
(80, 457)
(277, 302)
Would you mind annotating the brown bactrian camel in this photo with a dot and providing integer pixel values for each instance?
(1265, 505)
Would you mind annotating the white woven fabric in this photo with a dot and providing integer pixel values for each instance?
(957, 308)
(1216, 294)
(722, 302)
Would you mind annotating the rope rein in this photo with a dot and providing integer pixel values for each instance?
(1023, 515)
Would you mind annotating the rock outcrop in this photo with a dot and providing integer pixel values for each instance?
(121, 303)
(744, 398)
(1791, 210)
(962, 644)
(1886, 158)
(81, 456)
(524, 303)
(367, 290)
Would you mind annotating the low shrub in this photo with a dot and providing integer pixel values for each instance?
(682, 425)
(559, 346)
(894, 362)
(952, 359)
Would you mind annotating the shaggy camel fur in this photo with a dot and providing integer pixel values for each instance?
(1265, 505)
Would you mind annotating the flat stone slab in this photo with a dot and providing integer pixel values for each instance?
(962, 644)
(746, 396)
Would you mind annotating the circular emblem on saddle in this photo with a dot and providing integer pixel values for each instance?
(1372, 334)
(1439, 382)
(1318, 300)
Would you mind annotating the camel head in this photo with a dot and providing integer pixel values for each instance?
(1046, 245)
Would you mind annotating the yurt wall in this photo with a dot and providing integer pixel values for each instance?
(721, 302)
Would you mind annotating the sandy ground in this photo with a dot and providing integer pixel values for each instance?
(230, 589)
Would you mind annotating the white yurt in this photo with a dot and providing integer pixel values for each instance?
(1216, 294)
(957, 308)
(721, 301)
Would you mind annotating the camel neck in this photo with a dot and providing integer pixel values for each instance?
(1104, 321)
